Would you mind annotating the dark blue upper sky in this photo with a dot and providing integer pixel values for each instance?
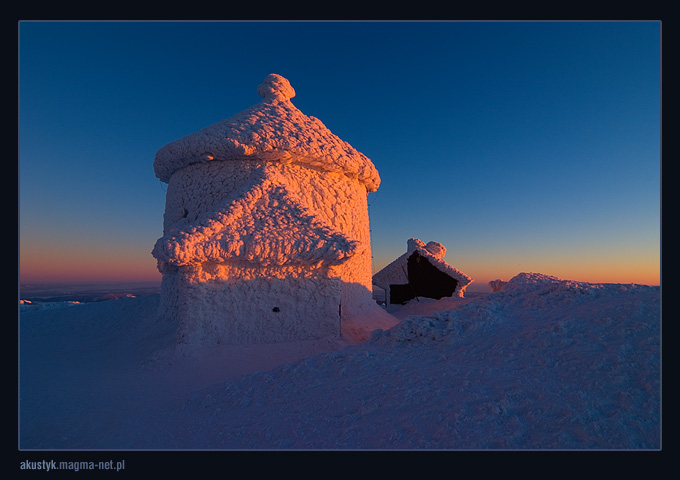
(521, 146)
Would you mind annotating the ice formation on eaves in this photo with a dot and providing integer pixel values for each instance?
(265, 225)
(272, 130)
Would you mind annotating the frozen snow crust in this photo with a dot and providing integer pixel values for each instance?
(266, 229)
(214, 215)
(252, 249)
(272, 130)
(543, 363)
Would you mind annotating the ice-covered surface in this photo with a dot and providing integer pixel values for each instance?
(266, 232)
(264, 225)
(542, 364)
(272, 130)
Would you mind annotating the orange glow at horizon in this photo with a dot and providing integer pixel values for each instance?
(635, 268)
(642, 273)
(53, 261)
(86, 265)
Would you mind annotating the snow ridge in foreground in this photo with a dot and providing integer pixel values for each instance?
(542, 364)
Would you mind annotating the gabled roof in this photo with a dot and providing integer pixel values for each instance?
(396, 272)
(265, 225)
(273, 129)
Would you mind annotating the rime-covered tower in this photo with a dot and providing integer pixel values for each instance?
(266, 229)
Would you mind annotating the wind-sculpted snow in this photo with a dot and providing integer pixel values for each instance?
(542, 364)
(272, 130)
(547, 364)
(439, 326)
(526, 295)
(266, 234)
(265, 227)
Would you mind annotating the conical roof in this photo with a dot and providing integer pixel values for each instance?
(274, 130)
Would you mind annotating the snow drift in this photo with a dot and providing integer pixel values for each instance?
(543, 363)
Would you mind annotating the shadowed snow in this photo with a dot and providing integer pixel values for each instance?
(542, 364)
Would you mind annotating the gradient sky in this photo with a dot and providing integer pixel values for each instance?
(520, 146)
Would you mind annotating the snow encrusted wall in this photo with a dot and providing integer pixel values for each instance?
(260, 310)
(199, 194)
(268, 243)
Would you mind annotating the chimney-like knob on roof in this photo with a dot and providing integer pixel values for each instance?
(277, 87)
(436, 249)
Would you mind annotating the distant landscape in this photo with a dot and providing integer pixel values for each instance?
(84, 292)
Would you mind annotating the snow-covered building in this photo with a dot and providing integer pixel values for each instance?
(420, 272)
(266, 229)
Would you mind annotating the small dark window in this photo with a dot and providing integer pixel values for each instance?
(275, 309)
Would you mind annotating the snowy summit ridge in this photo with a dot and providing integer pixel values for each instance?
(272, 130)
(543, 363)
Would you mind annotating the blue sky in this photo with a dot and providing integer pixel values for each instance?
(520, 146)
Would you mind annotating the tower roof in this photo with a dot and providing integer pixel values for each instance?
(273, 130)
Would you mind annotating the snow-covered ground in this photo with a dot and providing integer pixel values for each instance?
(542, 364)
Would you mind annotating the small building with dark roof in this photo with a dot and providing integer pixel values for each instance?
(420, 272)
